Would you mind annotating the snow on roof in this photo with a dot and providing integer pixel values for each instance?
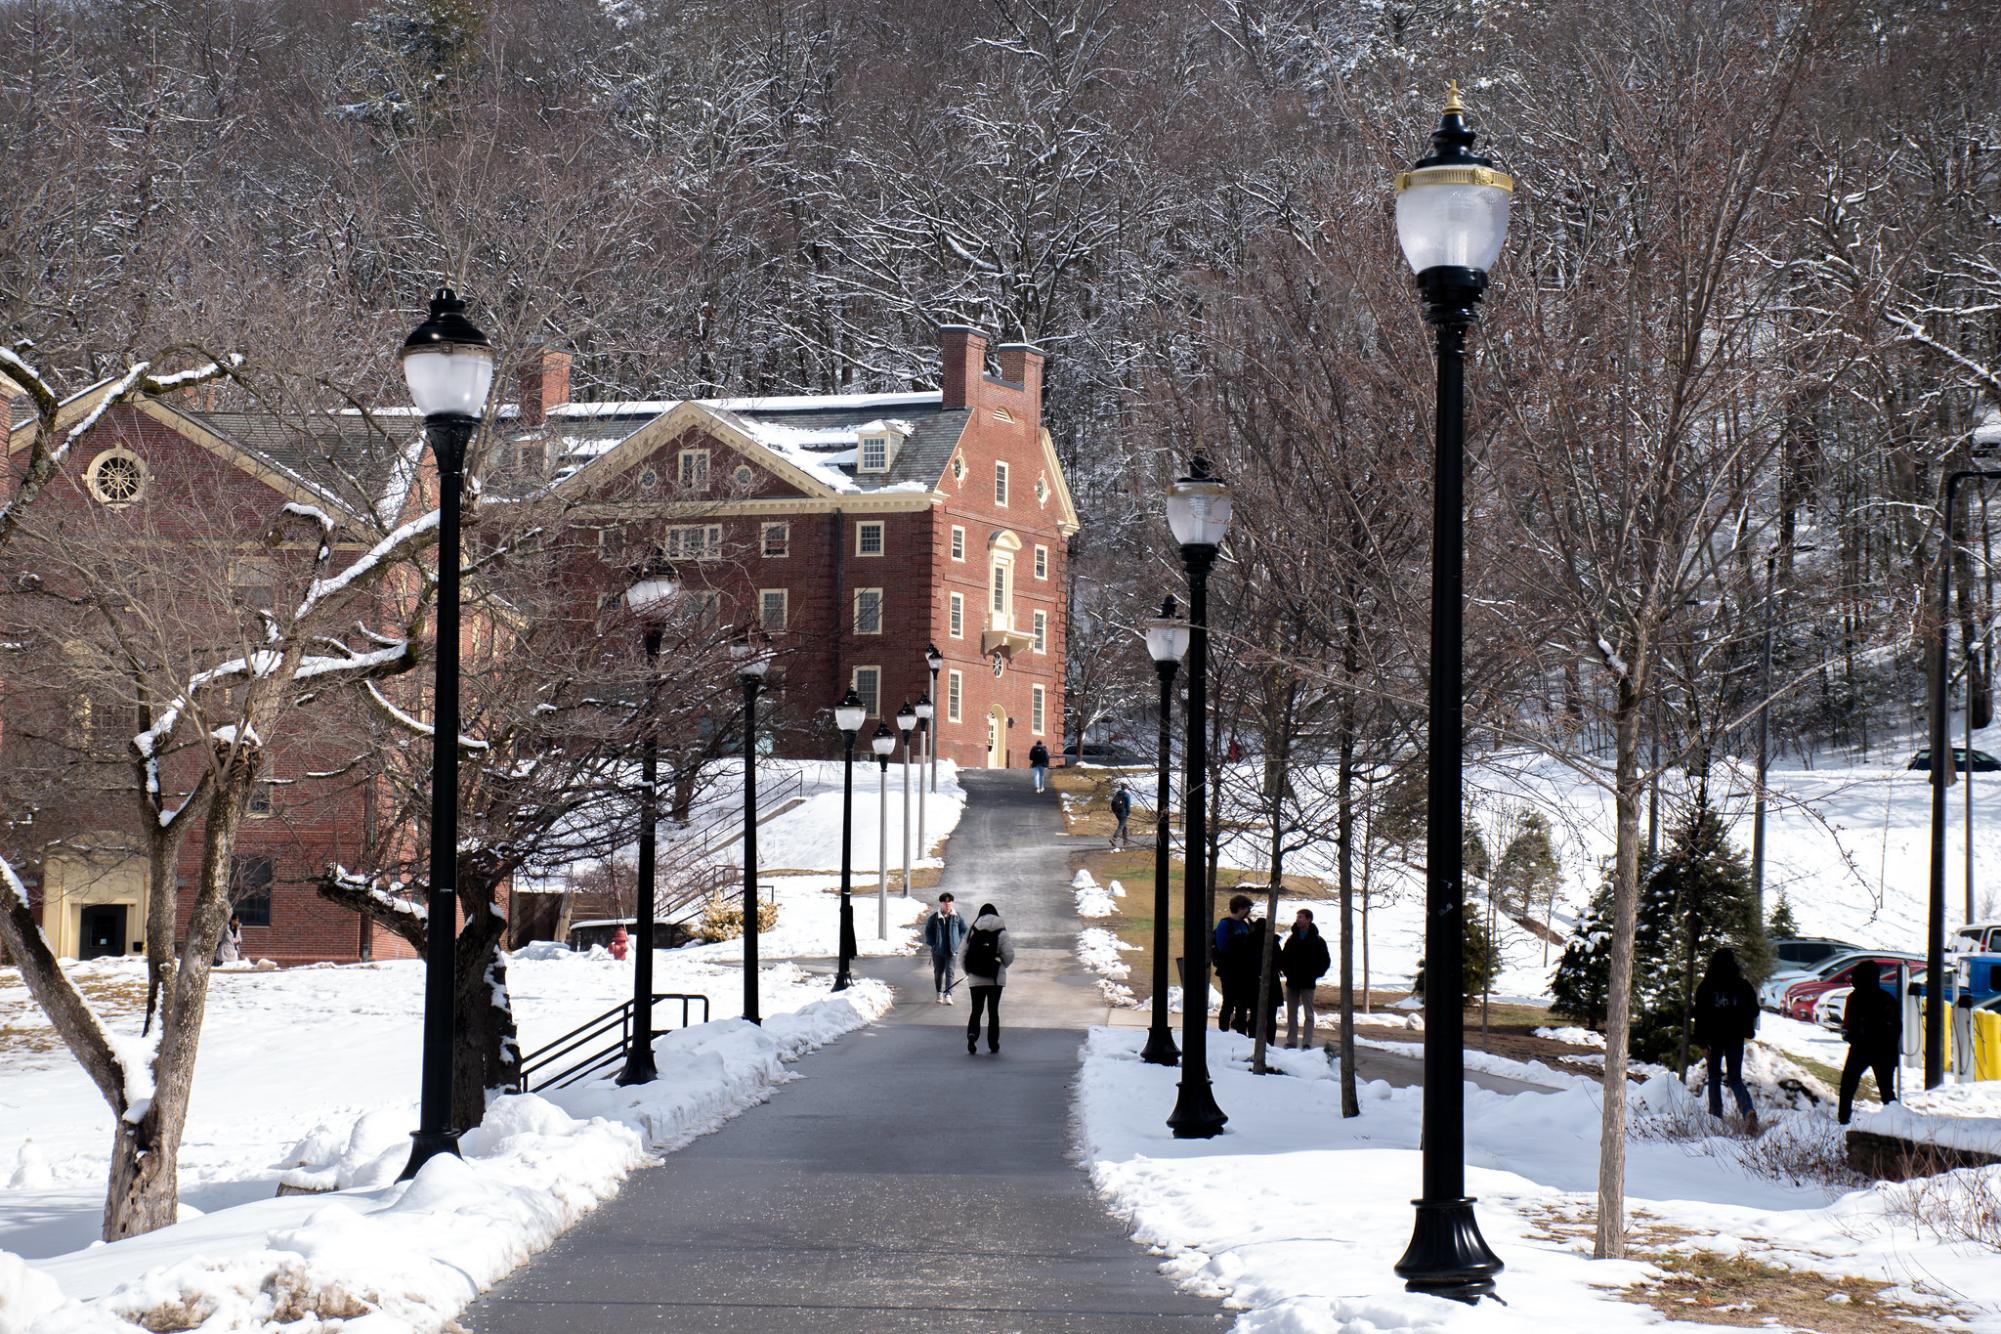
(814, 402)
(805, 450)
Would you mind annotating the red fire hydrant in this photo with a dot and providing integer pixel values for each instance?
(619, 944)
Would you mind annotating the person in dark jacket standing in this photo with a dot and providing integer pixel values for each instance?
(984, 959)
(1874, 1026)
(945, 933)
(1304, 961)
(1235, 967)
(1038, 764)
(1726, 1017)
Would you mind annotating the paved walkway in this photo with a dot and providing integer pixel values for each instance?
(902, 1185)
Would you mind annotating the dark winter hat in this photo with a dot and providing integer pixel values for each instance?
(1723, 963)
(986, 908)
(1866, 974)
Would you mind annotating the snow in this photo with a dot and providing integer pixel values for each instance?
(335, 1051)
(1092, 899)
(1954, 1116)
(808, 837)
(1246, 1216)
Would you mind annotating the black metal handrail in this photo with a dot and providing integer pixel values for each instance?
(589, 1032)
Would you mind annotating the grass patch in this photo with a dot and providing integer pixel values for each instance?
(1710, 1288)
(119, 999)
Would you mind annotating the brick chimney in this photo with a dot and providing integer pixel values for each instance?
(964, 350)
(545, 384)
(1021, 363)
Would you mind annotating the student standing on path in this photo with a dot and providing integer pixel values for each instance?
(987, 953)
(1122, 809)
(945, 933)
(1874, 1025)
(1038, 764)
(1726, 1017)
(1304, 961)
(1233, 965)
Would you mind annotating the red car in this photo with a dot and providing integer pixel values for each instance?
(1800, 996)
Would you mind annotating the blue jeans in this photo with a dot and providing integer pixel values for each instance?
(1730, 1057)
(1041, 772)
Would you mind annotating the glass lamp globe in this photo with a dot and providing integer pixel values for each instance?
(1167, 634)
(850, 713)
(650, 592)
(933, 658)
(906, 718)
(752, 659)
(1452, 206)
(926, 710)
(884, 740)
(447, 361)
(1198, 507)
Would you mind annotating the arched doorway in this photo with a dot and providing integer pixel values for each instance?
(997, 737)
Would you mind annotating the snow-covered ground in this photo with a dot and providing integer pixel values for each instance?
(809, 917)
(1246, 1216)
(808, 837)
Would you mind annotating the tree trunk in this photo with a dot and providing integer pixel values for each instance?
(1610, 1243)
(1351, 1103)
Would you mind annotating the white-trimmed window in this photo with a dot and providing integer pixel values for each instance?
(868, 538)
(1000, 485)
(958, 468)
(954, 691)
(867, 683)
(958, 542)
(745, 477)
(695, 541)
(775, 540)
(874, 456)
(955, 621)
(1041, 562)
(773, 604)
(1042, 632)
(693, 469)
(868, 611)
(258, 802)
(116, 477)
(1035, 709)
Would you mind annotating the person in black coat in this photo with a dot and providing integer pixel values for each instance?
(1726, 1016)
(1874, 1026)
(1304, 961)
(1235, 965)
(1038, 764)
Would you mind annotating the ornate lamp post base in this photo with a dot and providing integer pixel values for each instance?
(1447, 1256)
(1160, 1048)
(1195, 1114)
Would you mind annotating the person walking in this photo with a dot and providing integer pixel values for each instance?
(945, 933)
(984, 959)
(1234, 963)
(1122, 809)
(1726, 1017)
(1304, 960)
(1038, 764)
(1874, 1026)
(230, 948)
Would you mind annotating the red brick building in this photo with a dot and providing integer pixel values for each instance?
(855, 529)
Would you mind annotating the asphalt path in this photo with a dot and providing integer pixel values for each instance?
(901, 1184)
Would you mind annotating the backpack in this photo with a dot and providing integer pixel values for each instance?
(983, 953)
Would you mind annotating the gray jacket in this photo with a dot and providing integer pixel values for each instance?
(988, 922)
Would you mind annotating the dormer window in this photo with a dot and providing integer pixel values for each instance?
(876, 444)
(875, 453)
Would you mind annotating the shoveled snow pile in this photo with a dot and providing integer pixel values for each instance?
(1093, 899)
(1245, 1216)
(410, 1255)
(1099, 949)
(1576, 1037)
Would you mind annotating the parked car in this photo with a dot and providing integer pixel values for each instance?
(1800, 996)
(1772, 994)
(1832, 1008)
(1983, 763)
(1976, 938)
(1795, 957)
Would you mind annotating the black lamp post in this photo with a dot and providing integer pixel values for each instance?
(1198, 511)
(647, 597)
(448, 365)
(934, 660)
(753, 660)
(906, 723)
(1167, 642)
(1452, 216)
(1943, 763)
(849, 715)
(925, 711)
(882, 743)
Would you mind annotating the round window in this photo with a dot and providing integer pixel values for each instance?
(649, 479)
(744, 476)
(958, 468)
(116, 477)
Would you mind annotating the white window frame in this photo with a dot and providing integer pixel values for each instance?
(955, 616)
(691, 466)
(1000, 485)
(1042, 632)
(708, 547)
(860, 594)
(958, 543)
(881, 538)
(955, 694)
(784, 597)
(784, 532)
(1041, 561)
(872, 454)
(1038, 709)
(872, 696)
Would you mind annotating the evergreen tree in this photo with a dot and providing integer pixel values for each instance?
(1781, 926)
(1529, 872)
(1698, 900)
(1579, 986)
(1481, 956)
